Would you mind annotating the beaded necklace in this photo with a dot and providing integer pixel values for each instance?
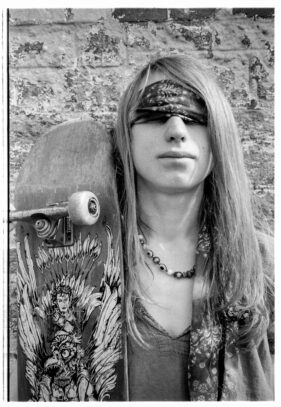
(203, 246)
(156, 260)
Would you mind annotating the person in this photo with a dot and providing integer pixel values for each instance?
(199, 276)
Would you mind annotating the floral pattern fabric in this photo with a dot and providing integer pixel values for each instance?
(219, 369)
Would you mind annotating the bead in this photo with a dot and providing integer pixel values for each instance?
(149, 253)
(163, 267)
(156, 260)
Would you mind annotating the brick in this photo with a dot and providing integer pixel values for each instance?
(255, 12)
(41, 46)
(56, 16)
(36, 16)
(139, 15)
(82, 15)
(101, 46)
(193, 15)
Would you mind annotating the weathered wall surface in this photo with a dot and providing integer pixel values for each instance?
(73, 63)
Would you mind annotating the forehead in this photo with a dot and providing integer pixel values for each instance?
(153, 77)
(62, 295)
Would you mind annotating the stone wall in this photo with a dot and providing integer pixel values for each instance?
(73, 63)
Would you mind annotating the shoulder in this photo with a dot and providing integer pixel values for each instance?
(266, 245)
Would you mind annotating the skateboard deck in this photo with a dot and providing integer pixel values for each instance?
(70, 271)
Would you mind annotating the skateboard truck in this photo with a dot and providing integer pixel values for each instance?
(54, 223)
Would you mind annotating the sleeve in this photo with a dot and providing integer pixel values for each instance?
(266, 243)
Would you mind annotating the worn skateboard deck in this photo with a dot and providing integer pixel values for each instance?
(70, 275)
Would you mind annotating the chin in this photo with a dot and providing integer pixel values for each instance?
(177, 188)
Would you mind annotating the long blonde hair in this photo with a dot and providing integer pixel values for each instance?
(237, 273)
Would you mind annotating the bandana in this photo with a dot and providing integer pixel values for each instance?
(167, 98)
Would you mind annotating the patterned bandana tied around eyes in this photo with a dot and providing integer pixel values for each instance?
(167, 98)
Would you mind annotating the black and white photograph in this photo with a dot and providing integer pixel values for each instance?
(140, 204)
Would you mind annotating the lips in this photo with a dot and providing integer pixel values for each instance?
(176, 154)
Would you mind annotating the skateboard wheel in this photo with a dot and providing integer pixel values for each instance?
(84, 208)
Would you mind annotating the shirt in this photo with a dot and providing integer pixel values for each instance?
(159, 372)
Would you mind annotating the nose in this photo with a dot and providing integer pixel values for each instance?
(176, 130)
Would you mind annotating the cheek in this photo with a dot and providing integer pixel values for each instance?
(135, 142)
(209, 159)
(204, 142)
(137, 153)
(205, 150)
(141, 146)
(136, 149)
(210, 162)
(140, 157)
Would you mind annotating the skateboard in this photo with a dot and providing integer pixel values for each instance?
(70, 271)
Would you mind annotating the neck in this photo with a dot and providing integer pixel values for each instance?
(170, 216)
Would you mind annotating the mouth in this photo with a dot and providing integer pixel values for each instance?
(176, 154)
